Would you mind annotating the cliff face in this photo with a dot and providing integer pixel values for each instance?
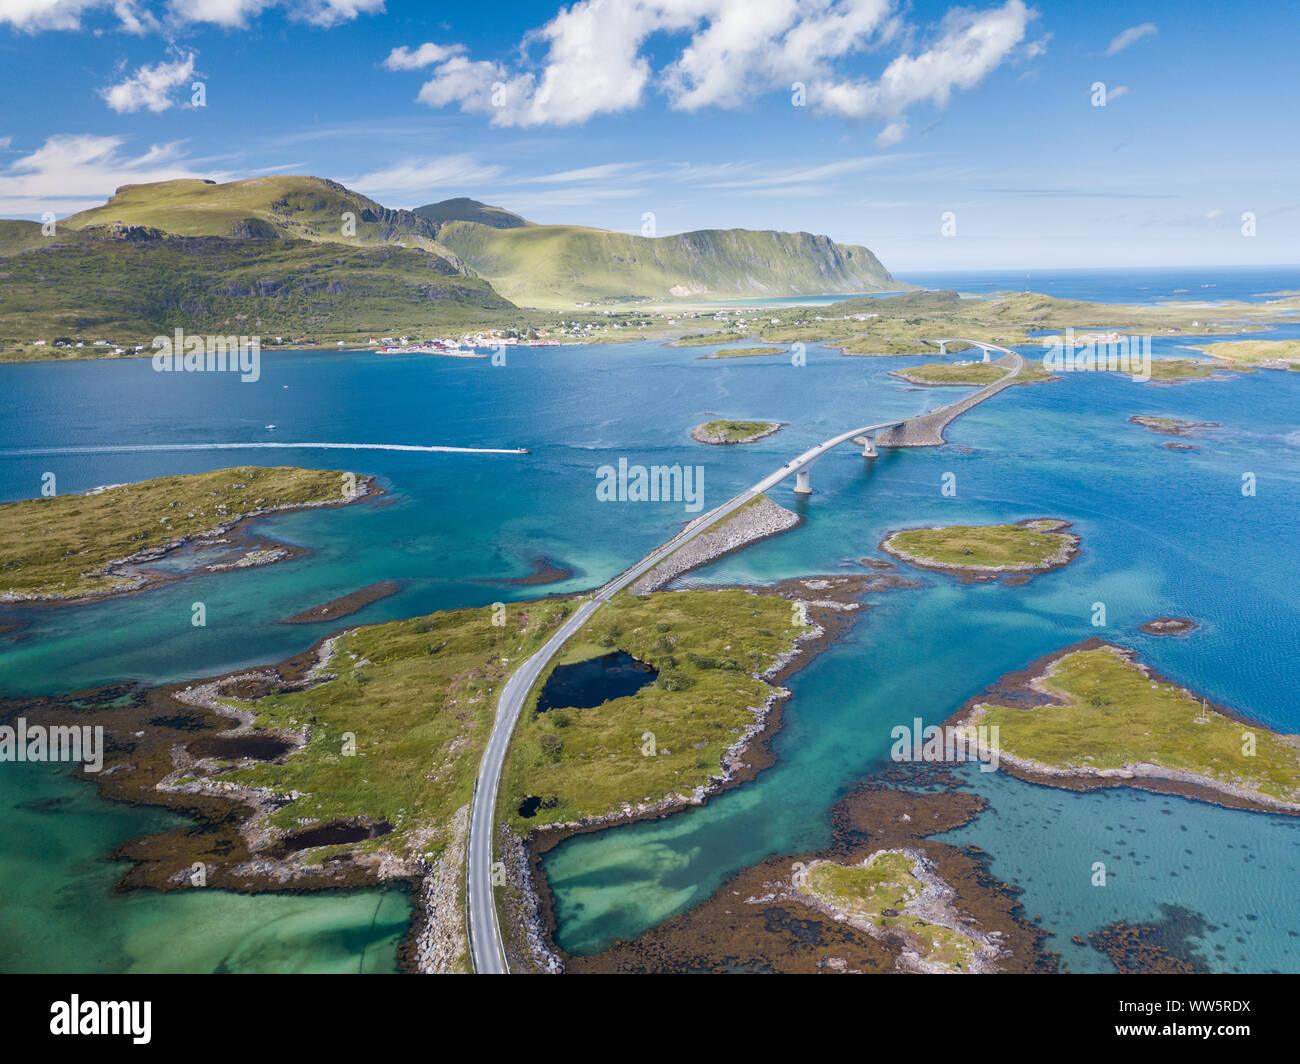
(550, 265)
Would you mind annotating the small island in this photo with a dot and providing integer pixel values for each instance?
(746, 352)
(69, 547)
(1168, 626)
(722, 432)
(1266, 354)
(972, 373)
(896, 895)
(987, 552)
(1101, 716)
(1171, 426)
(1189, 369)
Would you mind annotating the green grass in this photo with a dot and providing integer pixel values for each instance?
(876, 345)
(899, 325)
(53, 546)
(1182, 369)
(707, 339)
(278, 206)
(972, 373)
(129, 291)
(1252, 351)
(705, 644)
(558, 265)
(419, 696)
(975, 546)
(746, 352)
(734, 431)
(1114, 716)
(877, 893)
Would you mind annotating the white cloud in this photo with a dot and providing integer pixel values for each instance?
(150, 87)
(137, 16)
(972, 44)
(426, 55)
(425, 177)
(769, 177)
(1116, 92)
(1131, 36)
(891, 134)
(595, 63)
(72, 171)
(602, 172)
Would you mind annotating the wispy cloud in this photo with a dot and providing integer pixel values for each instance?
(151, 87)
(1131, 36)
(70, 172)
(141, 16)
(426, 177)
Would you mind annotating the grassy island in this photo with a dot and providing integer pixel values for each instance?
(986, 550)
(972, 373)
(1171, 426)
(707, 339)
(746, 352)
(66, 546)
(734, 431)
(886, 895)
(418, 696)
(1191, 369)
(596, 762)
(388, 729)
(1278, 353)
(1103, 714)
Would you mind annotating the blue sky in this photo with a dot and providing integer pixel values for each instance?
(601, 111)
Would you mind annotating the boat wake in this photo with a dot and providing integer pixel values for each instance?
(133, 448)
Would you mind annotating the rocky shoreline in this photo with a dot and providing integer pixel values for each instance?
(1168, 626)
(752, 921)
(700, 436)
(1014, 688)
(1060, 557)
(936, 904)
(253, 550)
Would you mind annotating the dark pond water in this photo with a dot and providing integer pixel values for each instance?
(589, 683)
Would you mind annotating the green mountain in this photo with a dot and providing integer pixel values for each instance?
(130, 283)
(559, 265)
(303, 256)
(464, 209)
(263, 208)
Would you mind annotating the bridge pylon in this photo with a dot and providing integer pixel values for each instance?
(803, 482)
(868, 446)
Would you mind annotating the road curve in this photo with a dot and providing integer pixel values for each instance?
(486, 952)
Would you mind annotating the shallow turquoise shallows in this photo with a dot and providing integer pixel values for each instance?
(1164, 532)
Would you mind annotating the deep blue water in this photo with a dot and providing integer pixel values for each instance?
(1156, 284)
(1164, 532)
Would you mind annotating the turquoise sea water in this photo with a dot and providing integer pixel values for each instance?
(1164, 532)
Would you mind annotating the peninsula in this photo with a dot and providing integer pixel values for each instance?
(68, 547)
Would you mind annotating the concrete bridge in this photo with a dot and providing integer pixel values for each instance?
(985, 347)
(924, 430)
